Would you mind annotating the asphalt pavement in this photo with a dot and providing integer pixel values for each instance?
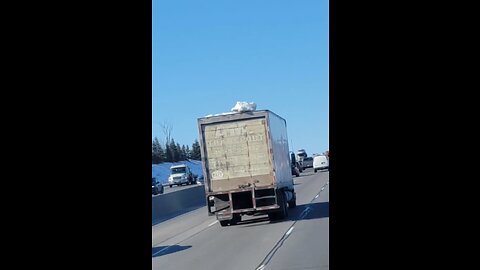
(195, 240)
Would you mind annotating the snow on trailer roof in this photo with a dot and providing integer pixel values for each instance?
(218, 114)
(240, 107)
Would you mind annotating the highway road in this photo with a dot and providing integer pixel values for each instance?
(195, 240)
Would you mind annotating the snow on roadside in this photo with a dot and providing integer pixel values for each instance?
(162, 171)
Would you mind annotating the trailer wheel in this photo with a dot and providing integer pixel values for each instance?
(285, 204)
(283, 213)
(224, 223)
(236, 218)
(292, 203)
(272, 216)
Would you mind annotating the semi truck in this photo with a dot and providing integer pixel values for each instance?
(301, 155)
(246, 165)
(181, 174)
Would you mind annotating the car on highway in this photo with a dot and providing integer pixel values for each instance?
(308, 162)
(157, 187)
(320, 163)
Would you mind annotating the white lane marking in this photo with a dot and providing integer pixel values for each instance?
(163, 249)
(213, 223)
(260, 267)
(316, 196)
(306, 209)
(323, 188)
(305, 212)
(290, 231)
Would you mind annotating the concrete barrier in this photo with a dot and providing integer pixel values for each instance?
(174, 203)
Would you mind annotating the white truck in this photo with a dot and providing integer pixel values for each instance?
(246, 165)
(181, 174)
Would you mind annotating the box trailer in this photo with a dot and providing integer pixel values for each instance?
(246, 165)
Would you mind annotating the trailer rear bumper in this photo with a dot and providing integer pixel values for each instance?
(242, 201)
(228, 215)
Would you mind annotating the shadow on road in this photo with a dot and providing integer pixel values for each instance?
(164, 250)
(315, 210)
(301, 212)
(175, 214)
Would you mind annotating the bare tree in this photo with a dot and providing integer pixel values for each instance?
(167, 131)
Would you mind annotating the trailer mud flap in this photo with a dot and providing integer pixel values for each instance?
(218, 203)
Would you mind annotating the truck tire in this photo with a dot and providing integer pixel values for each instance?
(292, 203)
(315, 170)
(171, 186)
(283, 213)
(224, 223)
(285, 205)
(236, 218)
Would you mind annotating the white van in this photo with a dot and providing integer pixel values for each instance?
(320, 163)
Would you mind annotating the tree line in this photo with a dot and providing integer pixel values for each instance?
(173, 152)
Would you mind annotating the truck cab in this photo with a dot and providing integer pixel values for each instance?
(301, 155)
(179, 175)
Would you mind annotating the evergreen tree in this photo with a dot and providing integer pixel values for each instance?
(161, 153)
(184, 152)
(174, 150)
(154, 157)
(179, 152)
(156, 151)
(188, 153)
(196, 155)
(168, 153)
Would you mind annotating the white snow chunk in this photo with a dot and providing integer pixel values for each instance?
(243, 106)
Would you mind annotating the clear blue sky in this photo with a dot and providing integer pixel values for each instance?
(209, 54)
